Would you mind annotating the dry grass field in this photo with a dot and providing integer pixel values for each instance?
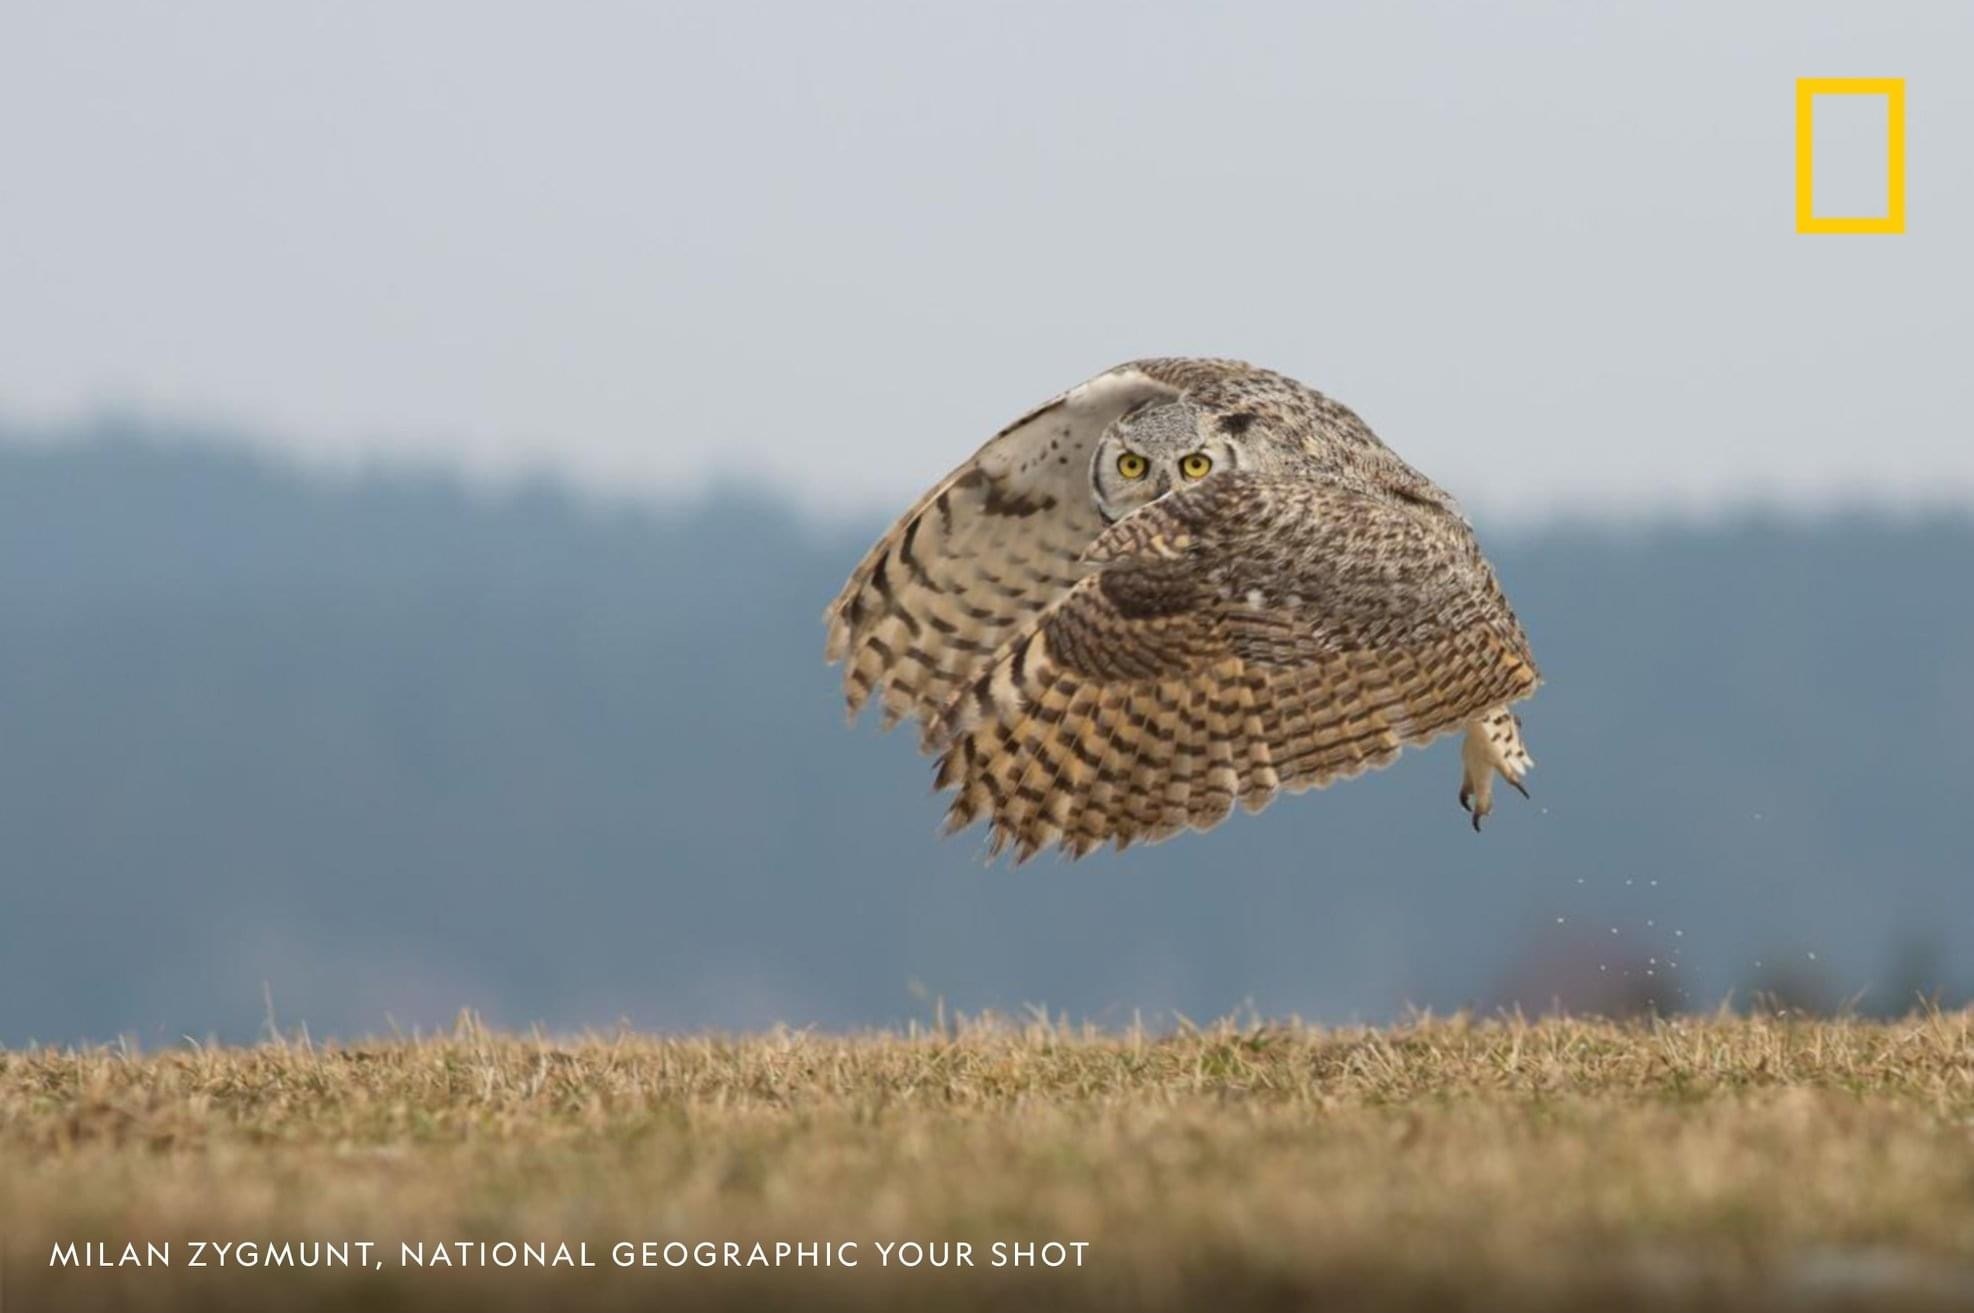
(1697, 1163)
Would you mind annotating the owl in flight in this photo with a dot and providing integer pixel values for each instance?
(1182, 584)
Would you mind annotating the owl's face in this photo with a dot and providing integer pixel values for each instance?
(1153, 451)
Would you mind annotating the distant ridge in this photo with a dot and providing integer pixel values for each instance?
(395, 747)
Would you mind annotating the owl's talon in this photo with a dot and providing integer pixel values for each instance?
(1519, 786)
(1470, 804)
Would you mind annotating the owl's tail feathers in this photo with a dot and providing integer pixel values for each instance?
(1494, 745)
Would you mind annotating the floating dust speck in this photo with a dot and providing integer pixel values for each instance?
(1559, 920)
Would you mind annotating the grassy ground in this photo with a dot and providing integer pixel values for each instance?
(1697, 1163)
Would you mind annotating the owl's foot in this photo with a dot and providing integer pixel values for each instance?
(1493, 747)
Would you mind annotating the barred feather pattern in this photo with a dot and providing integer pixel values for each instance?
(982, 553)
(1295, 617)
(1082, 765)
(1168, 686)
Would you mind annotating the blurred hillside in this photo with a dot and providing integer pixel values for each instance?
(382, 748)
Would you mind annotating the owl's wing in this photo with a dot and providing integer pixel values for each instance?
(1249, 635)
(980, 554)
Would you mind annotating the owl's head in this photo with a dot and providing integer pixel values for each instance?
(1154, 450)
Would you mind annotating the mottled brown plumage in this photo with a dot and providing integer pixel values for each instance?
(1183, 585)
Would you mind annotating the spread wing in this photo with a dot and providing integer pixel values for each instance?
(1249, 635)
(980, 554)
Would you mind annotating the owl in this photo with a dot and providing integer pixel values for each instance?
(1181, 585)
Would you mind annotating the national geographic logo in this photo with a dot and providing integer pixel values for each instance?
(1892, 218)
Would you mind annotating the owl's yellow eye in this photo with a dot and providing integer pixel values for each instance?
(1196, 465)
(1132, 466)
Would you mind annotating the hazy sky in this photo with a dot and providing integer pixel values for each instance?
(1547, 250)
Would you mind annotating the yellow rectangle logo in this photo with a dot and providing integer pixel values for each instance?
(1893, 89)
